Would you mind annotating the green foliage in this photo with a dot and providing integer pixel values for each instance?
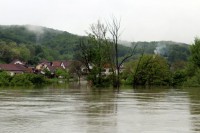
(195, 52)
(36, 79)
(5, 78)
(177, 53)
(95, 50)
(179, 77)
(62, 73)
(28, 80)
(193, 68)
(172, 51)
(36, 41)
(47, 73)
(21, 79)
(149, 70)
(194, 80)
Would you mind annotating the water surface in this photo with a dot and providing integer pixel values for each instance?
(75, 109)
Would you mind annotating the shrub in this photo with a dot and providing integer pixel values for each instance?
(5, 78)
(21, 80)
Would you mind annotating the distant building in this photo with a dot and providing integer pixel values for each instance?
(13, 69)
(52, 66)
(107, 70)
(42, 65)
(58, 64)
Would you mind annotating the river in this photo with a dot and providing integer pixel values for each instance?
(79, 109)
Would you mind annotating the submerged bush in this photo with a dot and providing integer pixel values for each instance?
(194, 80)
(28, 80)
(36, 79)
(21, 80)
(5, 78)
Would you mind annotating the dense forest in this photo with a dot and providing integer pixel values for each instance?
(34, 43)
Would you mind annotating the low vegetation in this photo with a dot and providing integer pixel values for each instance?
(22, 79)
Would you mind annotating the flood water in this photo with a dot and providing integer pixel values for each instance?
(75, 109)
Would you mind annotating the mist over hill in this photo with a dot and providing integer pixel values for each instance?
(34, 43)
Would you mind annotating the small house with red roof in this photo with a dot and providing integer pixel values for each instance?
(13, 69)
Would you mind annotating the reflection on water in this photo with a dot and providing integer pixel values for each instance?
(77, 108)
(194, 97)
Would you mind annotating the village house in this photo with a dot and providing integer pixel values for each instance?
(13, 69)
(58, 64)
(107, 70)
(42, 65)
(16, 67)
(52, 66)
(84, 69)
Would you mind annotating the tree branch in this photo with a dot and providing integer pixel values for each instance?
(128, 56)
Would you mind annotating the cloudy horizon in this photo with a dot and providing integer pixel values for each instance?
(141, 20)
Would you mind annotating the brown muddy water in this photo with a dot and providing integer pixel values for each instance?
(75, 109)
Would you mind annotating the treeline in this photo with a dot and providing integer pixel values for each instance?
(34, 43)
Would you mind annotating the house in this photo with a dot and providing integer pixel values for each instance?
(107, 70)
(84, 69)
(42, 65)
(58, 64)
(45, 64)
(13, 69)
(50, 66)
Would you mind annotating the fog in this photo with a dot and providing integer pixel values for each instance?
(142, 20)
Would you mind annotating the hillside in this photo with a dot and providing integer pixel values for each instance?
(40, 42)
(34, 43)
(172, 51)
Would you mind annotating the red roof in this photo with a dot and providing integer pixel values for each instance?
(53, 68)
(12, 67)
(29, 70)
(56, 63)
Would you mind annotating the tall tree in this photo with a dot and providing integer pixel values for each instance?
(149, 70)
(99, 50)
(195, 52)
(114, 29)
(93, 51)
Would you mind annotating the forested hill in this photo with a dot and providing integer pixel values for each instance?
(34, 43)
(35, 35)
(172, 51)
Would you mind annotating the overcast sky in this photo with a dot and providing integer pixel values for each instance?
(141, 20)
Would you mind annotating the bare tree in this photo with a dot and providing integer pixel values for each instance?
(100, 50)
(114, 29)
(93, 51)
